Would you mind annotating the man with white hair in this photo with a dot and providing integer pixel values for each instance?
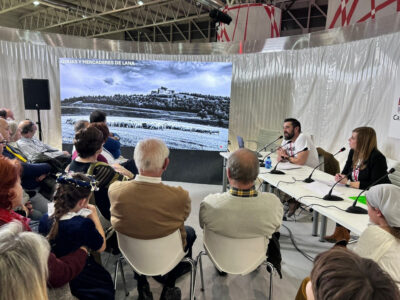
(145, 208)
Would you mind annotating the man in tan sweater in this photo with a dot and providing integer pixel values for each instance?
(242, 212)
(145, 208)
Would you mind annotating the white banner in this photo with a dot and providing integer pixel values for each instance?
(346, 12)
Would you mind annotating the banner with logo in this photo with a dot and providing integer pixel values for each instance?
(394, 128)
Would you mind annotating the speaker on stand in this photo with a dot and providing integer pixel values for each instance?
(36, 97)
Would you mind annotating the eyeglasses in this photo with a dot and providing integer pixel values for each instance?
(3, 142)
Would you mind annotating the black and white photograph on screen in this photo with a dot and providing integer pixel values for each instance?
(186, 104)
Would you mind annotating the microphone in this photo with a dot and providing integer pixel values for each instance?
(359, 210)
(331, 197)
(278, 172)
(266, 145)
(268, 154)
(309, 179)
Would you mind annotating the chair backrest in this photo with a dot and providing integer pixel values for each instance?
(395, 176)
(152, 257)
(240, 141)
(321, 160)
(265, 136)
(235, 256)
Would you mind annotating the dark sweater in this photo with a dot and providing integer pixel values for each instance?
(105, 175)
(376, 167)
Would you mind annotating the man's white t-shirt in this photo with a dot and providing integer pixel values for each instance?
(301, 142)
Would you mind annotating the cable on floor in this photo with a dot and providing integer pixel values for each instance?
(309, 257)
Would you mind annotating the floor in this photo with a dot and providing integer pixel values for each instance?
(253, 286)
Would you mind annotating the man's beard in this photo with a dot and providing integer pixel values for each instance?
(289, 136)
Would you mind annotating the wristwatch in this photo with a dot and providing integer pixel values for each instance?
(348, 183)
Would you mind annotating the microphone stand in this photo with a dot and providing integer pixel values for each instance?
(331, 197)
(275, 171)
(309, 179)
(268, 154)
(267, 145)
(353, 209)
(278, 172)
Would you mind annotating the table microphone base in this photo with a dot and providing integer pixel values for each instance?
(332, 198)
(277, 172)
(308, 180)
(357, 210)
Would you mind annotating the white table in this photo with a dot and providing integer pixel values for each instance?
(355, 223)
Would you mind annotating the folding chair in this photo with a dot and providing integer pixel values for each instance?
(235, 256)
(157, 256)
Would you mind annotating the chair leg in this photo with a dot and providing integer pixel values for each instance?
(192, 276)
(120, 259)
(270, 279)
(116, 274)
(200, 262)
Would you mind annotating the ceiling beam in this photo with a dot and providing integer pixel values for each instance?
(74, 16)
(151, 25)
(13, 5)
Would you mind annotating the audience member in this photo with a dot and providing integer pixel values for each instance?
(88, 143)
(339, 274)
(31, 146)
(73, 224)
(145, 208)
(365, 164)
(9, 114)
(3, 114)
(15, 133)
(106, 134)
(381, 240)
(62, 270)
(81, 124)
(112, 144)
(23, 263)
(128, 167)
(242, 212)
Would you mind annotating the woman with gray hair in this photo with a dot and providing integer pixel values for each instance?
(23, 263)
(381, 240)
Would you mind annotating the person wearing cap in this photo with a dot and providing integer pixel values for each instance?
(381, 240)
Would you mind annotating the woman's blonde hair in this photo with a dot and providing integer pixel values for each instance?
(23, 263)
(366, 143)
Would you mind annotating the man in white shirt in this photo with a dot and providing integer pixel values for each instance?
(298, 141)
(292, 145)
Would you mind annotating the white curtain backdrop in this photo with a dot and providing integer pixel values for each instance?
(330, 88)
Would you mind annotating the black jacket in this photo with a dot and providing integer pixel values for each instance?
(375, 167)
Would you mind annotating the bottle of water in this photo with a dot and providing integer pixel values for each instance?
(268, 163)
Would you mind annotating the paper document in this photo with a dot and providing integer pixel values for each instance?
(287, 166)
(321, 189)
(329, 182)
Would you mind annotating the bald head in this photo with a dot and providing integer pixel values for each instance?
(6, 113)
(4, 129)
(243, 166)
(28, 128)
(150, 155)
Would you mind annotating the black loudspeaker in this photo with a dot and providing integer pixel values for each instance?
(36, 94)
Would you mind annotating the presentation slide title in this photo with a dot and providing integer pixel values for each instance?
(99, 62)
